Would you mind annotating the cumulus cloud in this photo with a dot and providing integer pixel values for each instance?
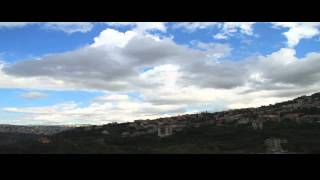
(40, 83)
(298, 30)
(114, 65)
(174, 78)
(33, 95)
(112, 38)
(284, 67)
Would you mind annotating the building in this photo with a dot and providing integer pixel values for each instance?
(151, 131)
(125, 134)
(293, 116)
(256, 125)
(164, 130)
(310, 118)
(274, 145)
(271, 117)
(243, 121)
(105, 132)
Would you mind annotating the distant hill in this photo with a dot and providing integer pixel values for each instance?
(287, 127)
(45, 130)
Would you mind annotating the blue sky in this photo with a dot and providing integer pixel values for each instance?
(33, 41)
(153, 82)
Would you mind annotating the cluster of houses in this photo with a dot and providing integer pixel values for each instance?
(254, 117)
(162, 127)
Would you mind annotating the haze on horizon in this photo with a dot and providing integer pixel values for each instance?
(68, 73)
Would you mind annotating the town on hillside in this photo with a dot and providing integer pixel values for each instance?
(302, 109)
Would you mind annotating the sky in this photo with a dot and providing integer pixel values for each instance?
(64, 73)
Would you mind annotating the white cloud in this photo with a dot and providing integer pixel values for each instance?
(83, 27)
(111, 110)
(40, 83)
(243, 27)
(112, 63)
(226, 29)
(298, 30)
(33, 95)
(112, 98)
(141, 27)
(220, 36)
(166, 75)
(112, 38)
(214, 50)
(68, 27)
(193, 26)
(179, 79)
(14, 24)
(229, 28)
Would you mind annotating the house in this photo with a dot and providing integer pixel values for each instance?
(270, 117)
(105, 132)
(150, 126)
(164, 130)
(243, 121)
(233, 118)
(310, 118)
(125, 134)
(292, 106)
(151, 131)
(256, 125)
(274, 145)
(293, 116)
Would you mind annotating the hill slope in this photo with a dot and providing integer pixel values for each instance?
(288, 127)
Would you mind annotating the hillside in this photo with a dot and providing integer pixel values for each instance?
(287, 127)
